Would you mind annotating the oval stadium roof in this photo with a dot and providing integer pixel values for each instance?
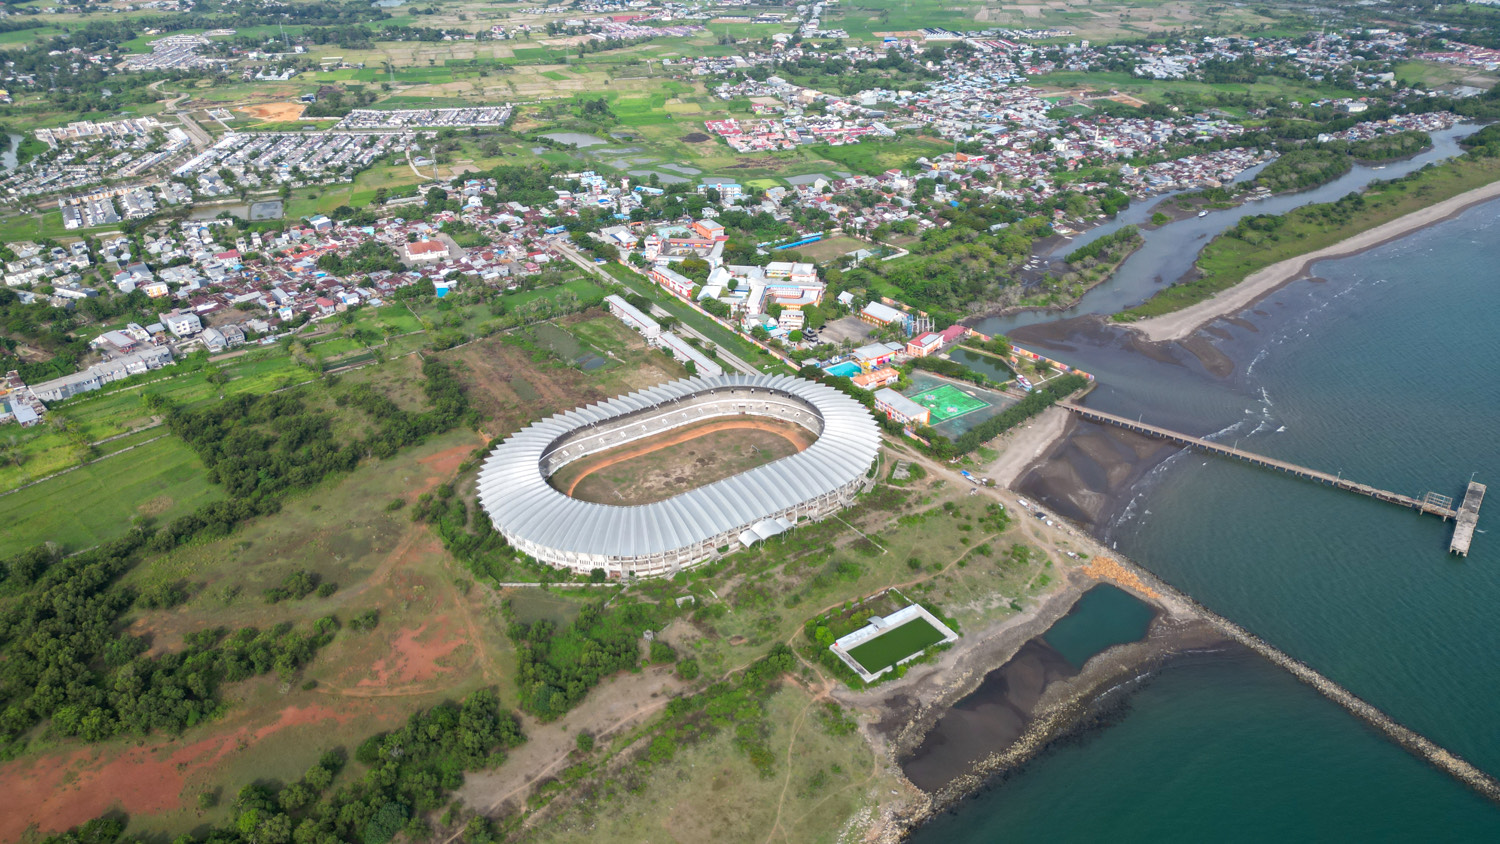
(521, 503)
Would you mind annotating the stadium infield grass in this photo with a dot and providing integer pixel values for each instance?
(948, 402)
(896, 644)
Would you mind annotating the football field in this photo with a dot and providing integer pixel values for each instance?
(948, 402)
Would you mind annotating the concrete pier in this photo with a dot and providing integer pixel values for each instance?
(1466, 515)
(1468, 518)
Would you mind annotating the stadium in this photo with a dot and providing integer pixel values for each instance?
(662, 536)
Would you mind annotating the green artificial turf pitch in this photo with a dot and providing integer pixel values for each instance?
(947, 402)
(895, 644)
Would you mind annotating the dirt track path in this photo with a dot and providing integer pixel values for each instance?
(686, 436)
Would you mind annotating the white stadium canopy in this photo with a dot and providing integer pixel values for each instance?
(665, 535)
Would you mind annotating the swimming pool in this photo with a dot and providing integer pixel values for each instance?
(846, 369)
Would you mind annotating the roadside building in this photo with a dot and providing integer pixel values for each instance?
(924, 344)
(901, 409)
(673, 281)
(875, 355)
(632, 316)
(877, 313)
(683, 351)
(182, 323)
(875, 379)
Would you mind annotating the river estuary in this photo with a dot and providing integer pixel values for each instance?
(1383, 371)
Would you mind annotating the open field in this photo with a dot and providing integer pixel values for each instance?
(711, 792)
(831, 248)
(679, 460)
(1436, 74)
(275, 111)
(948, 402)
(161, 478)
(895, 644)
(436, 639)
(512, 386)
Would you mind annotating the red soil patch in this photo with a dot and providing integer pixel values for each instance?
(685, 436)
(412, 661)
(442, 466)
(64, 790)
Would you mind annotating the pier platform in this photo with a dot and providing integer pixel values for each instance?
(1467, 519)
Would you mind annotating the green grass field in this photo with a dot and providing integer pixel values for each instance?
(94, 503)
(896, 644)
(948, 402)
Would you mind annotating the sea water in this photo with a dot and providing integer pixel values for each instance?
(1104, 616)
(1385, 373)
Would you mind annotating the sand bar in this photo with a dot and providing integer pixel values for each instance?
(1181, 324)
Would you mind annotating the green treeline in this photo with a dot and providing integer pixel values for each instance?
(951, 369)
(1035, 402)
(1304, 168)
(368, 257)
(1127, 236)
(260, 447)
(64, 658)
(1260, 240)
(413, 770)
(1387, 147)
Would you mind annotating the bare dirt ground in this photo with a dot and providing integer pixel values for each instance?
(680, 460)
(1020, 446)
(274, 112)
(60, 791)
(628, 701)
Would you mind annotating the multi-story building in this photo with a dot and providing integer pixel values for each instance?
(902, 409)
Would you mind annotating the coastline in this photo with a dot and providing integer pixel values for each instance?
(1182, 324)
(907, 712)
(1085, 474)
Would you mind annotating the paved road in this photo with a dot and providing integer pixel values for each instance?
(201, 138)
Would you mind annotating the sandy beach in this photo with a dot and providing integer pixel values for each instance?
(1181, 324)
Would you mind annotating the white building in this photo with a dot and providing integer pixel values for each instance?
(182, 323)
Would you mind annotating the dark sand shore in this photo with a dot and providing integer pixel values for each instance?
(1034, 700)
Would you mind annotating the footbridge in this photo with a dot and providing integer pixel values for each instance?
(1466, 514)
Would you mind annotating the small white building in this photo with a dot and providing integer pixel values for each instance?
(182, 323)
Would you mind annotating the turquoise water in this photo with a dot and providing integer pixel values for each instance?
(1104, 617)
(1222, 749)
(1385, 373)
(847, 369)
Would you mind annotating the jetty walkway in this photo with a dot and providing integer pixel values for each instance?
(1466, 515)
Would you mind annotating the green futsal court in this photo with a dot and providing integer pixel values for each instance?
(948, 402)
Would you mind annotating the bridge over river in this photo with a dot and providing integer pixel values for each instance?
(1466, 515)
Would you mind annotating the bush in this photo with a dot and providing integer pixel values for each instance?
(661, 652)
(162, 596)
(688, 669)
